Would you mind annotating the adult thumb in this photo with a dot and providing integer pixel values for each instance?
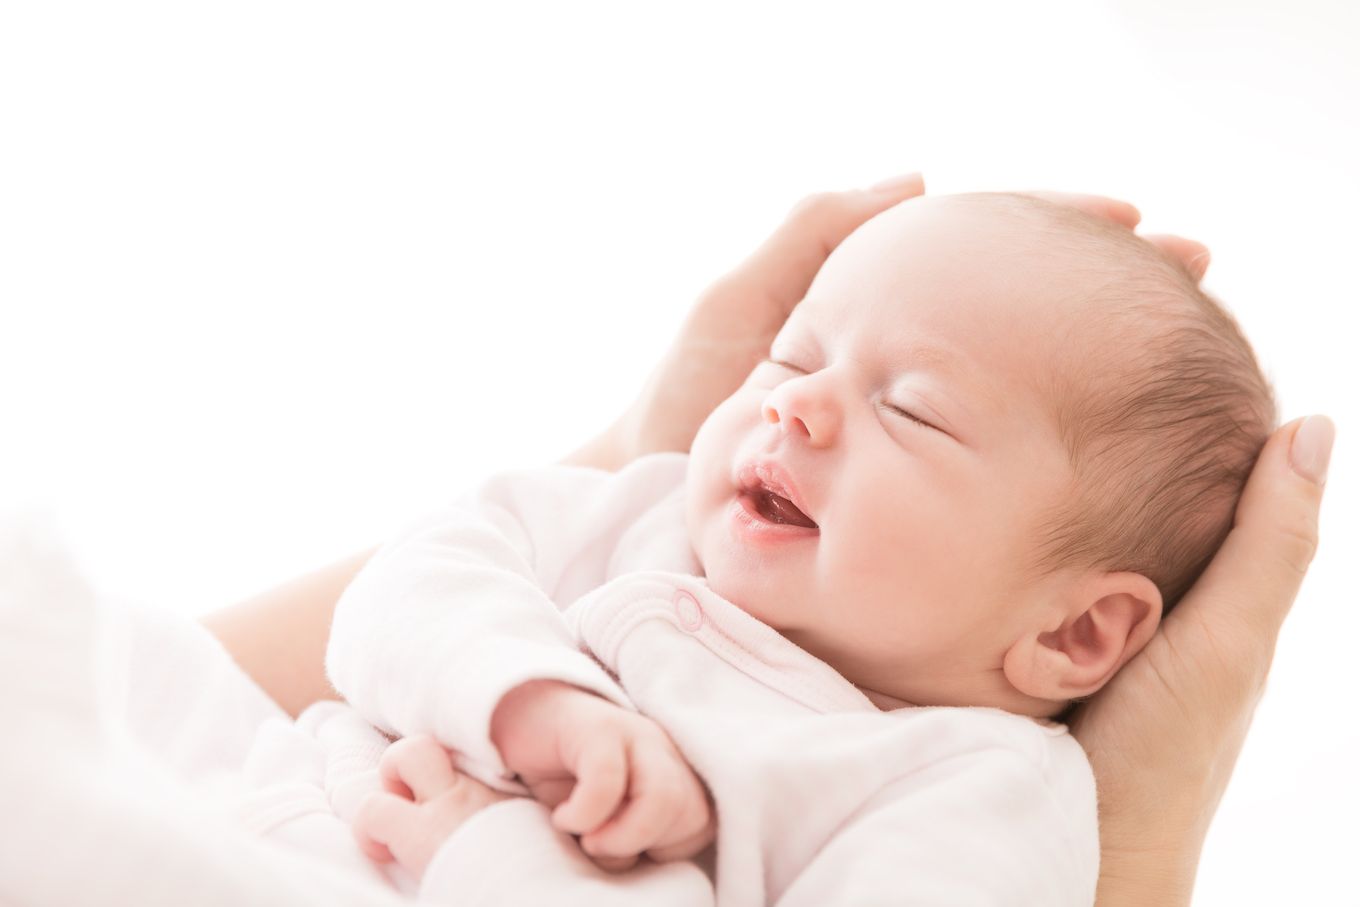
(1256, 575)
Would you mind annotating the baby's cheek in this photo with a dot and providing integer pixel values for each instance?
(705, 507)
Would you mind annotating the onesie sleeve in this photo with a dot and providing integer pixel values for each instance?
(984, 829)
(458, 609)
(509, 853)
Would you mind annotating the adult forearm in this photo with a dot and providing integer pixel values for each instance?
(1153, 863)
(1138, 880)
(279, 636)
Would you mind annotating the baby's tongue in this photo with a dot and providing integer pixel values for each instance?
(779, 509)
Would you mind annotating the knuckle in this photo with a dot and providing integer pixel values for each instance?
(363, 816)
(817, 206)
(425, 744)
(461, 786)
(1297, 543)
(367, 817)
(392, 755)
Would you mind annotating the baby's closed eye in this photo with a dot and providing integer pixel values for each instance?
(907, 414)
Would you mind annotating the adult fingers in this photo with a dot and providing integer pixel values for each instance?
(1101, 206)
(601, 782)
(783, 267)
(732, 324)
(1253, 579)
(1192, 256)
(1164, 734)
(417, 768)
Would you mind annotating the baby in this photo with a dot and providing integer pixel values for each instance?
(993, 444)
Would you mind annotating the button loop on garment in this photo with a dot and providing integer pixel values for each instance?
(688, 610)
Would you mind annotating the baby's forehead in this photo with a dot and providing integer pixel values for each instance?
(1042, 230)
(1016, 282)
(1066, 262)
(968, 251)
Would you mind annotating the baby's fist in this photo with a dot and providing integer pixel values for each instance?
(614, 777)
(426, 801)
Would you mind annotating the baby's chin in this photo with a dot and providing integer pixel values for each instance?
(742, 589)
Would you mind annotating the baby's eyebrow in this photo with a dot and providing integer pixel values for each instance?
(934, 357)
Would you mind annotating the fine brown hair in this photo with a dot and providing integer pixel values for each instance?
(1163, 410)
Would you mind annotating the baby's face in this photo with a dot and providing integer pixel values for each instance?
(876, 491)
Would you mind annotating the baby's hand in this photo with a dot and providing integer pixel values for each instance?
(426, 801)
(613, 776)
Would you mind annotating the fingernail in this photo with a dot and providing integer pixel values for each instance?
(894, 183)
(1311, 451)
(1198, 265)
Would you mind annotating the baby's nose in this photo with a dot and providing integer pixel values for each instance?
(805, 408)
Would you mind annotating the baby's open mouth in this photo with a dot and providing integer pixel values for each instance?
(768, 493)
(779, 509)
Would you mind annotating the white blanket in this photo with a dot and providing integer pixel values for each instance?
(139, 765)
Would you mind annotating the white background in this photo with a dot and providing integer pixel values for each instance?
(276, 276)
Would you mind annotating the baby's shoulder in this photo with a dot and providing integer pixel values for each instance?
(1040, 741)
(1044, 751)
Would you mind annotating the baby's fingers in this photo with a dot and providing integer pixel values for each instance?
(601, 783)
(378, 821)
(417, 768)
(666, 808)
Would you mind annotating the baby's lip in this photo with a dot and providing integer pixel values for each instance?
(768, 476)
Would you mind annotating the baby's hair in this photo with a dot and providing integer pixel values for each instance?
(1163, 413)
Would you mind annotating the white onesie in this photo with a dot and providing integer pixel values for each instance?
(822, 799)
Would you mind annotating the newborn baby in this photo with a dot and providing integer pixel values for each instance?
(996, 440)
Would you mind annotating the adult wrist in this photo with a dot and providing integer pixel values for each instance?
(1141, 885)
(1152, 858)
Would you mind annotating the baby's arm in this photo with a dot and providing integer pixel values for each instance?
(450, 625)
(509, 854)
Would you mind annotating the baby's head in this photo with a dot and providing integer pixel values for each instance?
(993, 443)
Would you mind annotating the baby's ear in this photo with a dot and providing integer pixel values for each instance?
(1110, 617)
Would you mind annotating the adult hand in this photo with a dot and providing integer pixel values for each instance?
(1164, 734)
(1192, 256)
